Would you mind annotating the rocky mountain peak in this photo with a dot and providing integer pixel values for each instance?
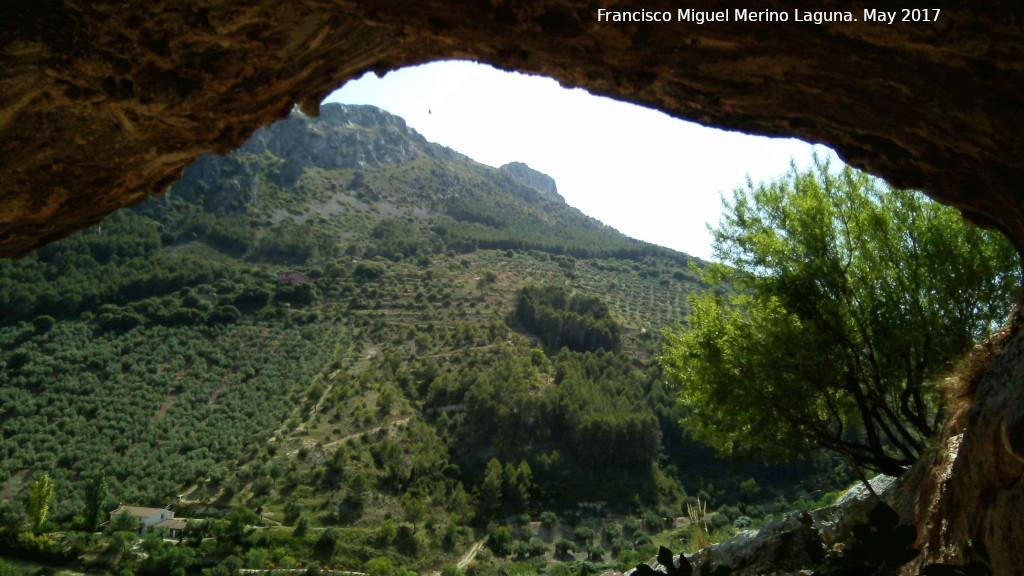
(343, 136)
(539, 181)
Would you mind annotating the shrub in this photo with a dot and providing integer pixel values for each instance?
(43, 323)
(652, 522)
(549, 519)
(537, 548)
(301, 527)
(380, 567)
(500, 541)
(583, 534)
(610, 531)
(630, 526)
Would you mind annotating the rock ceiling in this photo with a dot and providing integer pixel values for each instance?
(103, 103)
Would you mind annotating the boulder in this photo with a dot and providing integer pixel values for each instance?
(788, 544)
(834, 523)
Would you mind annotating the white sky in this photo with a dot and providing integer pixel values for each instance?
(651, 176)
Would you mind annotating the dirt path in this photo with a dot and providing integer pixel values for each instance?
(162, 410)
(13, 485)
(397, 422)
(465, 559)
(470, 555)
(319, 403)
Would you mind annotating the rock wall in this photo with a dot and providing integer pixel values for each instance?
(103, 103)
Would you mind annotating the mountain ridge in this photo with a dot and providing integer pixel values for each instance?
(355, 156)
(381, 345)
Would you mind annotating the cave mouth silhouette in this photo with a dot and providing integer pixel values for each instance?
(102, 105)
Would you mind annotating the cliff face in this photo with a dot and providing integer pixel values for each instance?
(102, 104)
(530, 177)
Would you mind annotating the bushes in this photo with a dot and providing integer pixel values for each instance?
(548, 519)
(28, 546)
(500, 541)
(578, 322)
(583, 534)
(652, 522)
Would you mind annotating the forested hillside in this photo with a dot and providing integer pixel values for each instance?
(342, 345)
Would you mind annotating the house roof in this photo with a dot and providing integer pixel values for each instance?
(140, 511)
(172, 523)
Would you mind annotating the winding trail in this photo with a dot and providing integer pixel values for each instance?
(396, 422)
(470, 555)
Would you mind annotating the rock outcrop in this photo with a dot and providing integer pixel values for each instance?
(835, 523)
(530, 177)
(102, 104)
(785, 544)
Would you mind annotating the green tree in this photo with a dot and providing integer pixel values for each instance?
(490, 490)
(415, 509)
(500, 541)
(850, 298)
(39, 502)
(380, 567)
(96, 493)
(326, 544)
(124, 522)
(301, 527)
(563, 546)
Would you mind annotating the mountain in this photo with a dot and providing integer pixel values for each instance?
(358, 166)
(379, 344)
(537, 180)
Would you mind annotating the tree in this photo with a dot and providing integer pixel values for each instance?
(95, 496)
(326, 544)
(500, 540)
(563, 546)
(301, 527)
(124, 522)
(850, 298)
(490, 490)
(518, 482)
(39, 502)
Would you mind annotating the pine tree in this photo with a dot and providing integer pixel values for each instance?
(490, 490)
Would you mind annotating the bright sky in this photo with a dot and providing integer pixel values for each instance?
(651, 176)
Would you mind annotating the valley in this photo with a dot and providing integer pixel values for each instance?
(344, 347)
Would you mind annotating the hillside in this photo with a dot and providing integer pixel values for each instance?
(362, 335)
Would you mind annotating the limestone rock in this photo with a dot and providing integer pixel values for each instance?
(782, 545)
(835, 523)
(532, 178)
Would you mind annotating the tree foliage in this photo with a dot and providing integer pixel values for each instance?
(578, 322)
(851, 298)
(93, 512)
(39, 502)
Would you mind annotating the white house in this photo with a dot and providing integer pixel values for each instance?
(147, 516)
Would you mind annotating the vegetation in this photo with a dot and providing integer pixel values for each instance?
(850, 299)
(374, 369)
(578, 322)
